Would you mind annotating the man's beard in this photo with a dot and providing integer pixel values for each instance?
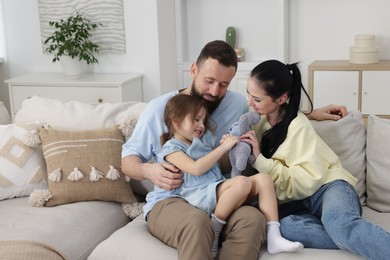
(211, 105)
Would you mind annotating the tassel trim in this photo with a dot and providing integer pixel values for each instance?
(55, 176)
(75, 175)
(113, 174)
(128, 126)
(31, 137)
(38, 198)
(95, 175)
(133, 209)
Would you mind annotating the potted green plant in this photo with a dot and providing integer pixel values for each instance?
(71, 39)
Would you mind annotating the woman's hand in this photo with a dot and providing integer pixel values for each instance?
(251, 138)
(329, 112)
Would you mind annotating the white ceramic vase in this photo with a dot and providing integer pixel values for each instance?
(71, 66)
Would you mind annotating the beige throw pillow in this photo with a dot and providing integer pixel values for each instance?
(346, 137)
(85, 166)
(378, 163)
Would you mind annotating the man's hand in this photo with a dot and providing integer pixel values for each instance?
(165, 176)
(329, 112)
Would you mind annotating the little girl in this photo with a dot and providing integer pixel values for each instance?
(186, 145)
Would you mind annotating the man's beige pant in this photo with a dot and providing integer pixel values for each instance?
(182, 226)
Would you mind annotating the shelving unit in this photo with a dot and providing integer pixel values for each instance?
(364, 87)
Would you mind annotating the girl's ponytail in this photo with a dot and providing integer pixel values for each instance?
(277, 79)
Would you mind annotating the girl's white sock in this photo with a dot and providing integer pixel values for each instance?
(217, 226)
(278, 244)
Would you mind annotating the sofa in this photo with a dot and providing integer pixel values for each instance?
(39, 220)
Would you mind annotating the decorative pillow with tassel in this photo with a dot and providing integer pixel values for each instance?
(22, 167)
(83, 166)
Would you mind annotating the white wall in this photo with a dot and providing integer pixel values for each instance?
(324, 30)
(167, 46)
(318, 29)
(256, 23)
(145, 52)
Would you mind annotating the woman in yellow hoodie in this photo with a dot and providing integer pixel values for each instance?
(318, 204)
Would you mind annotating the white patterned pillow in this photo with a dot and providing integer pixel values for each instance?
(22, 168)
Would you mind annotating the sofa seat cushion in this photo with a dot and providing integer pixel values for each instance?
(30, 250)
(310, 254)
(378, 218)
(133, 241)
(73, 229)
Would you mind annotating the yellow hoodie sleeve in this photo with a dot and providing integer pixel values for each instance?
(302, 163)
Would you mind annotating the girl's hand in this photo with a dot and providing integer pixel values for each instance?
(251, 138)
(229, 140)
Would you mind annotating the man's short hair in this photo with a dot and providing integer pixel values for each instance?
(220, 51)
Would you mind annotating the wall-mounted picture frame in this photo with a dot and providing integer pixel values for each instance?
(110, 37)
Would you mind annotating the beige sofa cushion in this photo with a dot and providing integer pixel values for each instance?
(133, 241)
(346, 137)
(378, 163)
(72, 229)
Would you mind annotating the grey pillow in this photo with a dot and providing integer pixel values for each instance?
(347, 138)
(378, 163)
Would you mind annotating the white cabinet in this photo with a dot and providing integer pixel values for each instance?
(338, 87)
(364, 87)
(89, 88)
(376, 92)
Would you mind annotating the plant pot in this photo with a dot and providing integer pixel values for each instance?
(71, 66)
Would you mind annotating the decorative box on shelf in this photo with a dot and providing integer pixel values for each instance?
(89, 88)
